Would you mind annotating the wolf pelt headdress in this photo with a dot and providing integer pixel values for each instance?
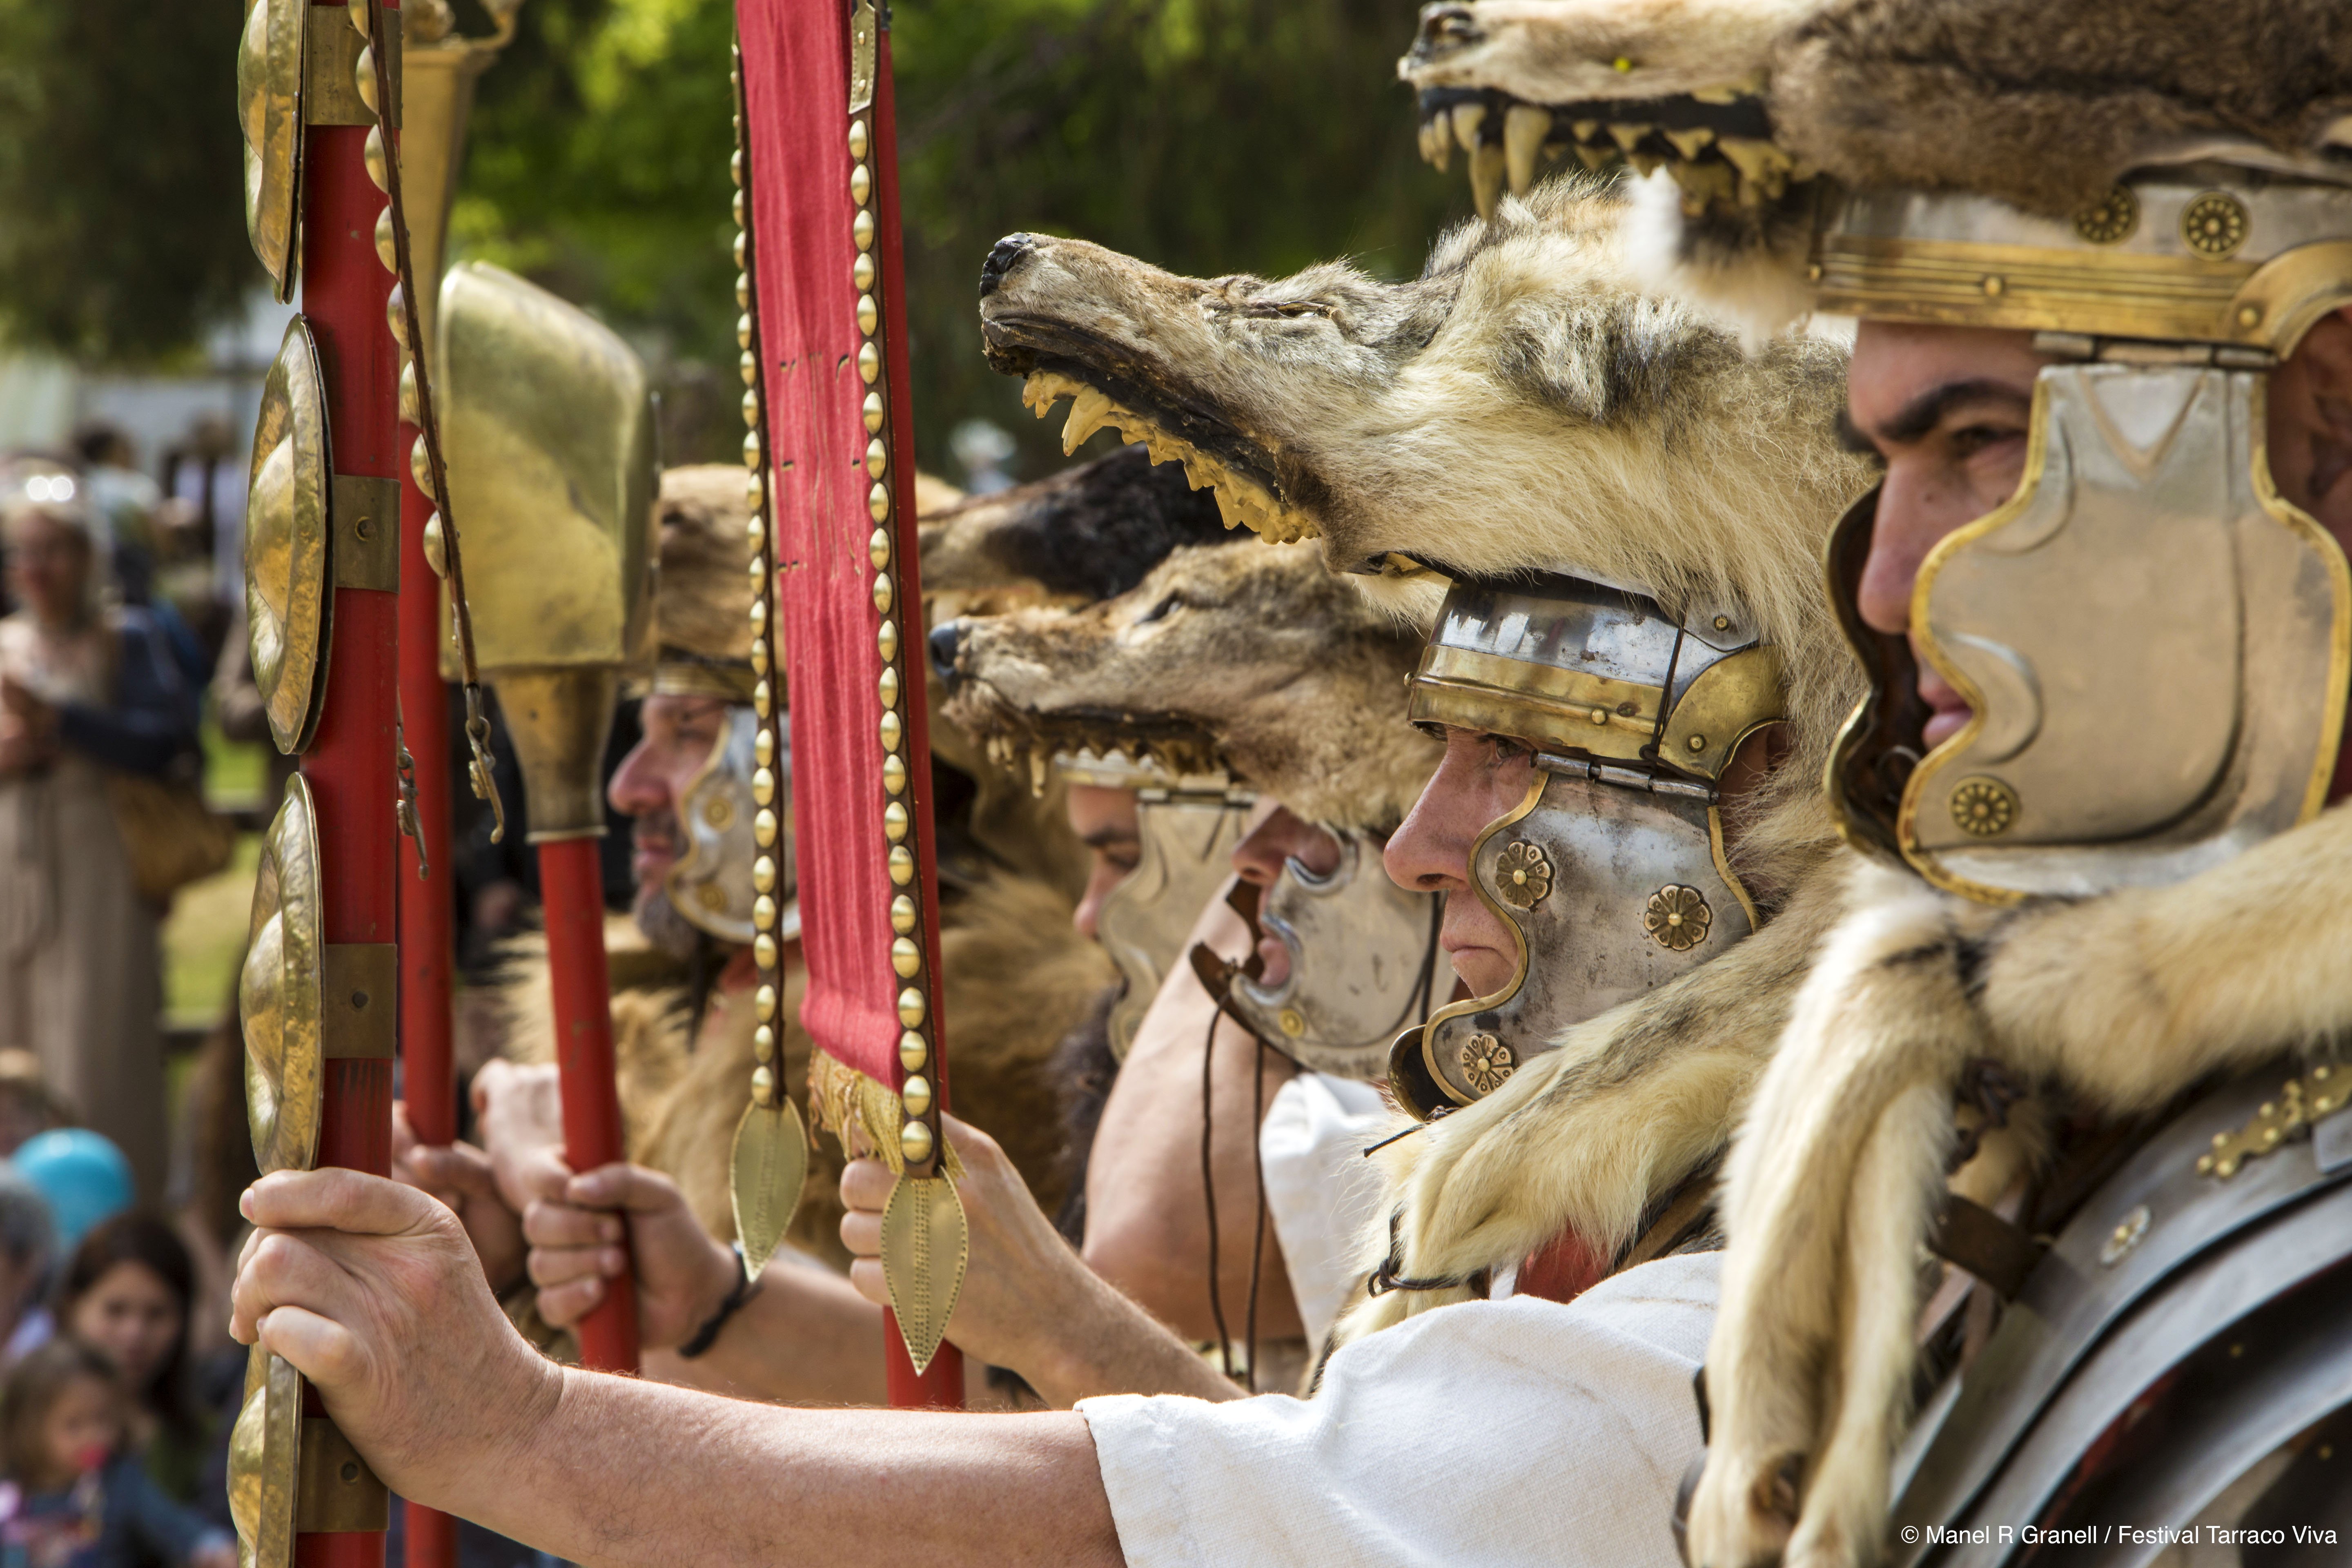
(1521, 407)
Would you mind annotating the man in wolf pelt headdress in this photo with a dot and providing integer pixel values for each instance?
(2098, 251)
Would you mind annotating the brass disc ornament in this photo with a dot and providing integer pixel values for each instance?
(281, 992)
(269, 111)
(265, 1453)
(289, 592)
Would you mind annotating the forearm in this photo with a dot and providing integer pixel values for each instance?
(627, 1474)
(1102, 1342)
(807, 1337)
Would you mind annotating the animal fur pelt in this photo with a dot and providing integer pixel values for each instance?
(1017, 978)
(1588, 1136)
(2118, 1002)
(1086, 534)
(1521, 405)
(1255, 660)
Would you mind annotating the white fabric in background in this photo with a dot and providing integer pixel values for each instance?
(1320, 1191)
(1496, 1432)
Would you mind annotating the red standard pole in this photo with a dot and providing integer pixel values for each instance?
(350, 763)
(571, 892)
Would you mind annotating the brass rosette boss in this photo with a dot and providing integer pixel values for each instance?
(925, 1236)
(289, 594)
(769, 1164)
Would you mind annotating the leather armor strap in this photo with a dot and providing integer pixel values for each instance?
(1971, 1236)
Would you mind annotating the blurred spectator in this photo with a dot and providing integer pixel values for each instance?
(84, 1178)
(126, 1294)
(123, 500)
(97, 726)
(208, 471)
(27, 1246)
(27, 1104)
(982, 449)
(74, 1497)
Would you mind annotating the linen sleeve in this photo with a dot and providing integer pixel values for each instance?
(1501, 1433)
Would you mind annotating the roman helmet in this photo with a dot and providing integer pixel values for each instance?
(1611, 873)
(703, 603)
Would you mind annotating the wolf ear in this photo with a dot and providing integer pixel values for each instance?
(1745, 270)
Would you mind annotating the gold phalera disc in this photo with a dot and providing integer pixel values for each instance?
(894, 772)
(873, 412)
(877, 548)
(289, 602)
(763, 1002)
(763, 1045)
(861, 273)
(902, 914)
(916, 1096)
(914, 1142)
(869, 362)
(910, 1008)
(892, 731)
(281, 991)
(886, 639)
(763, 951)
(905, 958)
(861, 229)
(882, 593)
(913, 1055)
(894, 822)
(887, 686)
(763, 828)
(902, 865)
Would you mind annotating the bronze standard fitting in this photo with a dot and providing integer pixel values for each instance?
(558, 721)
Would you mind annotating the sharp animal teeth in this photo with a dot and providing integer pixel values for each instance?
(1757, 161)
(1583, 130)
(1643, 163)
(1090, 412)
(1525, 129)
(1705, 183)
(1037, 765)
(1433, 141)
(1689, 142)
(1625, 135)
(1467, 118)
(1594, 158)
(1487, 179)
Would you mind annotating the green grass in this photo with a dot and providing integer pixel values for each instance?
(235, 772)
(204, 938)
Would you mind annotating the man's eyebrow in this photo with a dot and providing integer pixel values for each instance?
(1850, 436)
(1104, 837)
(1918, 417)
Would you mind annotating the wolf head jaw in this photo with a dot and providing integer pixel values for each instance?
(1255, 661)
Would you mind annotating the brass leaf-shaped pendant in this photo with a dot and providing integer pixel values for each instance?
(263, 1456)
(925, 1244)
(770, 1162)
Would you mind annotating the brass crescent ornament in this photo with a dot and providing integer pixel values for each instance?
(289, 592)
(926, 1242)
(265, 1452)
(269, 112)
(282, 992)
(767, 1169)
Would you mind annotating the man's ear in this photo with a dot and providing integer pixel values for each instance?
(2311, 424)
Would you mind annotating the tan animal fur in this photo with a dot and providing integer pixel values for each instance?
(1255, 658)
(1563, 52)
(2120, 1002)
(1522, 404)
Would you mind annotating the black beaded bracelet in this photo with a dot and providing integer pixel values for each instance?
(708, 1335)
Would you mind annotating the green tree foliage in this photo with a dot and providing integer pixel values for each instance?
(1207, 136)
(121, 175)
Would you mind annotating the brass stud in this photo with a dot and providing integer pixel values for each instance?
(894, 822)
(902, 865)
(869, 314)
(758, 652)
(385, 250)
(436, 546)
(420, 465)
(1813, 273)
(902, 914)
(1697, 742)
(861, 184)
(763, 912)
(758, 614)
(2215, 225)
(752, 448)
(739, 250)
(1723, 622)
(878, 504)
(873, 414)
(877, 458)
(915, 1142)
(886, 639)
(751, 407)
(752, 568)
(763, 874)
(395, 314)
(861, 229)
(1994, 286)
(916, 1095)
(755, 496)
(857, 139)
(2250, 315)
(735, 168)
(882, 592)
(764, 1002)
(887, 685)
(1600, 715)
(763, 785)
(411, 411)
(913, 1055)
(373, 153)
(736, 206)
(893, 774)
(749, 364)
(761, 699)
(910, 1008)
(743, 331)
(905, 958)
(892, 731)
(743, 290)
(869, 362)
(358, 12)
(763, 1082)
(877, 549)
(861, 273)
(763, 828)
(763, 748)
(763, 951)
(763, 1045)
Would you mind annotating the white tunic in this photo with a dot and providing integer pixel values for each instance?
(1321, 1192)
(1494, 1432)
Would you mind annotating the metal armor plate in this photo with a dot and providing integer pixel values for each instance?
(710, 885)
(1186, 853)
(1363, 964)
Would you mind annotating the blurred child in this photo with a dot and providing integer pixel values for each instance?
(73, 1498)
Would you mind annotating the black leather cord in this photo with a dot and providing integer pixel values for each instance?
(745, 1289)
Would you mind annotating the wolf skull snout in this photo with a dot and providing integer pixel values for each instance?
(943, 640)
(1002, 258)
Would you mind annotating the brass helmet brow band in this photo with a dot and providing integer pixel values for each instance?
(1571, 666)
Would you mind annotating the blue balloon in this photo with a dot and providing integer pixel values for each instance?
(84, 1177)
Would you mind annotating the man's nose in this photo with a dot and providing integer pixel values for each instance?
(636, 790)
(1003, 256)
(943, 640)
